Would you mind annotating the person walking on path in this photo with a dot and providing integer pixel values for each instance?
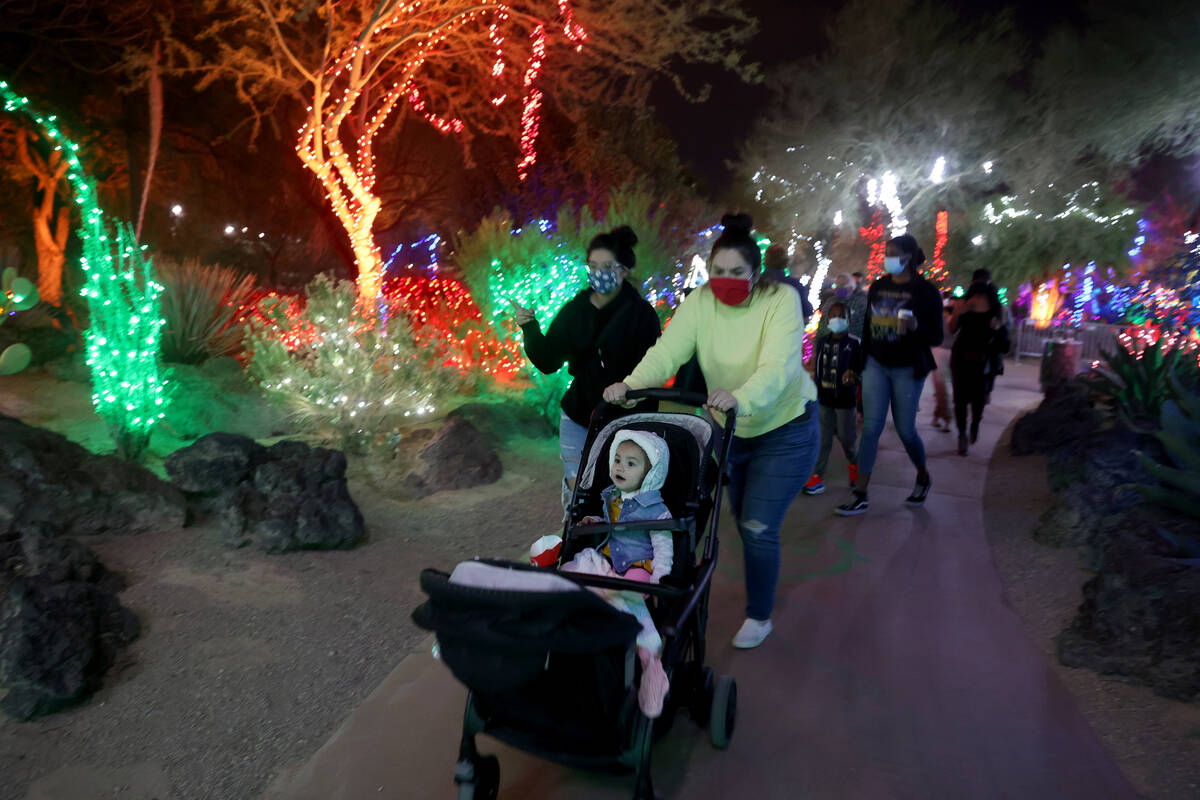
(941, 356)
(975, 322)
(748, 334)
(601, 334)
(847, 292)
(904, 320)
(836, 352)
(775, 268)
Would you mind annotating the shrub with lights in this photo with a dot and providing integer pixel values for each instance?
(341, 373)
(129, 387)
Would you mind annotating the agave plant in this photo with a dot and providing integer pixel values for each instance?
(1179, 435)
(1135, 383)
(201, 304)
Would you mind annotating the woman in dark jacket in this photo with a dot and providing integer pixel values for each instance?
(976, 320)
(600, 334)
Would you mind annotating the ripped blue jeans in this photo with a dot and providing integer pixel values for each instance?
(765, 474)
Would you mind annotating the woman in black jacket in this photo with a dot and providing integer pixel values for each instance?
(601, 334)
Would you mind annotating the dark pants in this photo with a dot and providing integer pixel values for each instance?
(844, 423)
(968, 374)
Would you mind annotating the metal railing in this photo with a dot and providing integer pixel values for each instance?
(1093, 337)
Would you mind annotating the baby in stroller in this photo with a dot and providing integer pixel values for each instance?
(640, 461)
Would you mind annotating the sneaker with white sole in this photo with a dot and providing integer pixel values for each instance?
(815, 485)
(752, 633)
(857, 505)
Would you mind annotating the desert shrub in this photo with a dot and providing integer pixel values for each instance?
(1133, 381)
(200, 304)
(1179, 435)
(341, 373)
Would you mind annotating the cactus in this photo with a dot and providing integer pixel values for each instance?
(1180, 437)
(16, 294)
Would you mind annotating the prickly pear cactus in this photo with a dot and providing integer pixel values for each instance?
(16, 294)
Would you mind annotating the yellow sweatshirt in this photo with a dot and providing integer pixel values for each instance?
(753, 351)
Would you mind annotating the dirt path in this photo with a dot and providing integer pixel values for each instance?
(247, 662)
(1155, 741)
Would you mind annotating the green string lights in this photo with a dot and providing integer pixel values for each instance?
(544, 286)
(128, 387)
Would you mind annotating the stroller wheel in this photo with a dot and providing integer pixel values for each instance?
(724, 712)
(484, 784)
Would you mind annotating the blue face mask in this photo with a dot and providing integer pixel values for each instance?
(838, 325)
(843, 292)
(892, 265)
(604, 280)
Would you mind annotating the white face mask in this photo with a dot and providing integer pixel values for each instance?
(838, 325)
(892, 265)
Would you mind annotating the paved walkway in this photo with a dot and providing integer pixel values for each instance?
(897, 670)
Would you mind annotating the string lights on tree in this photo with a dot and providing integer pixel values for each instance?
(129, 389)
(937, 270)
(355, 93)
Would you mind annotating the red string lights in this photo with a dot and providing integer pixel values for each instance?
(440, 310)
(531, 114)
(872, 234)
(937, 271)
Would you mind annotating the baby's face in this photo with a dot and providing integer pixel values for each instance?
(629, 467)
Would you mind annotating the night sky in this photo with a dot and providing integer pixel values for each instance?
(710, 134)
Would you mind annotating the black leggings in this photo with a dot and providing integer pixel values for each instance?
(967, 374)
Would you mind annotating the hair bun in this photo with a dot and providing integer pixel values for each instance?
(737, 223)
(625, 235)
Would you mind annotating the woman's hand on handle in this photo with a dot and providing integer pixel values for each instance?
(521, 314)
(721, 400)
(615, 394)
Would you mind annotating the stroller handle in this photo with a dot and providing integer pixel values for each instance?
(675, 396)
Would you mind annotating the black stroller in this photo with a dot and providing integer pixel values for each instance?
(555, 672)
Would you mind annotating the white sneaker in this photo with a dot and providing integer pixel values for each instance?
(752, 634)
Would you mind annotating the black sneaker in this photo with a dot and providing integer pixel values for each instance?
(919, 493)
(857, 505)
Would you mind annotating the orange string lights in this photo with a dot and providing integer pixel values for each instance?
(403, 45)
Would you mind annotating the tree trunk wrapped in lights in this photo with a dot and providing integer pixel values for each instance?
(128, 388)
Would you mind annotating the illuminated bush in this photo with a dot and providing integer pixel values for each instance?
(339, 373)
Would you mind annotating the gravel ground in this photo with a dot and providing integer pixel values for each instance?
(248, 662)
(1155, 741)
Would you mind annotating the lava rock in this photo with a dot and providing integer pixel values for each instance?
(1064, 417)
(285, 497)
(45, 478)
(61, 624)
(214, 463)
(458, 457)
(1140, 617)
(1090, 480)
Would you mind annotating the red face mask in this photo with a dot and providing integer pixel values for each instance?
(730, 291)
